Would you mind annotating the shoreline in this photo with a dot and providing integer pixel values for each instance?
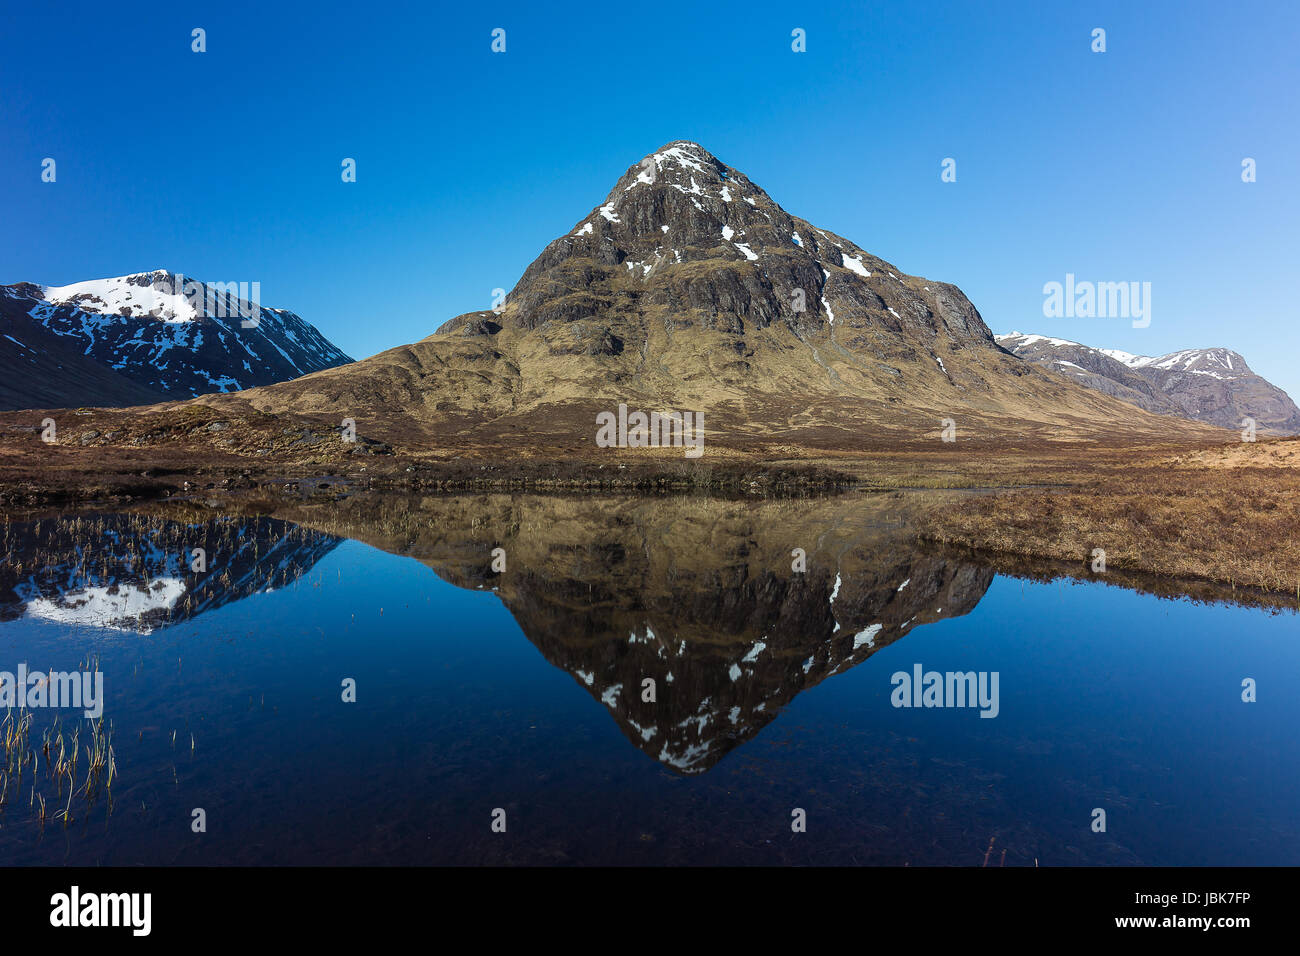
(1199, 511)
(1015, 531)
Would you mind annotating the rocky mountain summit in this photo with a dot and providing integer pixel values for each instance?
(1213, 385)
(690, 288)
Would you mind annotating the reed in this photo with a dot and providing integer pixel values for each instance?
(62, 752)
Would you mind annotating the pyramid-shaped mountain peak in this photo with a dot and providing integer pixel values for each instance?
(688, 287)
(680, 214)
(689, 169)
(684, 156)
(687, 247)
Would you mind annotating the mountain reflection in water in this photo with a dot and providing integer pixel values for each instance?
(698, 596)
(527, 689)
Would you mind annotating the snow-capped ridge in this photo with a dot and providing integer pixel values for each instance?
(1213, 385)
(169, 333)
(1214, 360)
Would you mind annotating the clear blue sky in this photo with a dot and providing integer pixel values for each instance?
(225, 165)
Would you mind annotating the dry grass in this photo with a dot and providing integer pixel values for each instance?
(1237, 523)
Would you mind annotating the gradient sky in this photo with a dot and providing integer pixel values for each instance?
(1120, 166)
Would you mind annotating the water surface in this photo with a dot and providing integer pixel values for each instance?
(522, 690)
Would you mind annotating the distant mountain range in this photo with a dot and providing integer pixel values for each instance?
(145, 338)
(1213, 385)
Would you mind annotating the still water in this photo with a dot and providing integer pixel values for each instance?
(524, 690)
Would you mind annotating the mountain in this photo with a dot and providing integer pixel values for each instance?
(144, 338)
(1207, 385)
(689, 289)
(39, 369)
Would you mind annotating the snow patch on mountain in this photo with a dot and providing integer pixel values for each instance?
(855, 265)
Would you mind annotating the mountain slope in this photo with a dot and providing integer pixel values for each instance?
(1212, 385)
(39, 369)
(145, 337)
(689, 288)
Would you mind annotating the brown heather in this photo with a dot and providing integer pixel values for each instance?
(1229, 515)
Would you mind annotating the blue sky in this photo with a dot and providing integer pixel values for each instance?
(1118, 166)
